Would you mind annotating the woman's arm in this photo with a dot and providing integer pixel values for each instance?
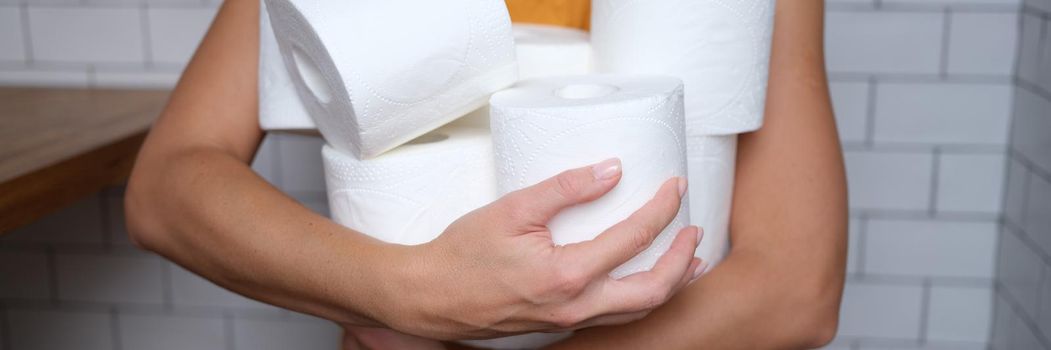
(193, 198)
(780, 286)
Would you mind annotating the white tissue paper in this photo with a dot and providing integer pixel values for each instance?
(279, 105)
(712, 161)
(720, 49)
(375, 74)
(543, 51)
(412, 193)
(544, 126)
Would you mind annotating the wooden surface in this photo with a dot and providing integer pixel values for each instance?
(59, 145)
(566, 13)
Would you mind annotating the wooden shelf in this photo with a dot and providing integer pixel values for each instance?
(58, 145)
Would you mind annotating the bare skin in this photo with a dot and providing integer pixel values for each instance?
(780, 286)
(193, 198)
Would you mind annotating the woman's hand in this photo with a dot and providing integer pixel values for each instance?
(496, 272)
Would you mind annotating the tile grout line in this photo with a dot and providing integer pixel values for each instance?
(1035, 170)
(147, 42)
(936, 155)
(925, 304)
(1041, 292)
(27, 37)
(1027, 182)
(863, 229)
(943, 64)
(1032, 245)
(114, 322)
(870, 112)
(1024, 317)
(228, 331)
(167, 295)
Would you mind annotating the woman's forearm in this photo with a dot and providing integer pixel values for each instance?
(193, 198)
(780, 286)
(209, 212)
(741, 304)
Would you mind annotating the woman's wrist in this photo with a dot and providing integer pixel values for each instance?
(406, 282)
(384, 280)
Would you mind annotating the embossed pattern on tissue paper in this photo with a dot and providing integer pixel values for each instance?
(477, 55)
(723, 96)
(418, 206)
(536, 136)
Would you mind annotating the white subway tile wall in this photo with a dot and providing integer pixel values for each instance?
(161, 332)
(11, 35)
(924, 91)
(960, 313)
(1023, 280)
(99, 43)
(970, 183)
(66, 329)
(77, 35)
(892, 311)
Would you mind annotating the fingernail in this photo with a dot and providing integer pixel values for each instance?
(700, 269)
(682, 187)
(700, 234)
(607, 169)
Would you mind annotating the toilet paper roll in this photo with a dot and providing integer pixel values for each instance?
(712, 160)
(412, 193)
(375, 74)
(544, 126)
(720, 49)
(543, 51)
(279, 105)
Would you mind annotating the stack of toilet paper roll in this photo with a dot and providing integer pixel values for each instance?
(721, 51)
(403, 93)
(541, 50)
(545, 126)
(412, 193)
(375, 74)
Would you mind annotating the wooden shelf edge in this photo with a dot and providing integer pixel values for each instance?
(34, 195)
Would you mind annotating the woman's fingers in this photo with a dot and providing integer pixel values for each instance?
(636, 294)
(630, 237)
(537, 204)
(645, 291)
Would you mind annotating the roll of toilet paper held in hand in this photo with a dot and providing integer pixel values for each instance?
(412, 193)
(279, 105)
(409, 195)
(376, 74)
(542, 127)
(720, 49)
(543, 51)
(712, 160)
